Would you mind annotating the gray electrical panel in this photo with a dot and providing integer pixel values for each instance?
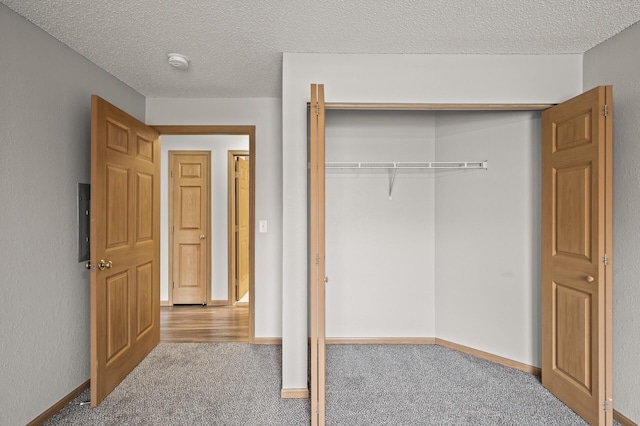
(84, 228)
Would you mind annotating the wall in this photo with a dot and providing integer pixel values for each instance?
(488, 233)
(387, 78)
(45, 105)
(380, 252)
(265, 115)
(616, 62)
(218, 146)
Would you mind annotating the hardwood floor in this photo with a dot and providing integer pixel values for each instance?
(201, 324)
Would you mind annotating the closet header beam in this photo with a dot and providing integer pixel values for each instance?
(438, 107)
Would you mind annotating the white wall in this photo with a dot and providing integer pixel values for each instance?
(387, 78)
(616, 62)
(45, 115)
(380, 252)
(265, 115)
(218, 146)
(488, 233)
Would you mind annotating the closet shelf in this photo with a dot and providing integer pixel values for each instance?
(395, 166)
(405, 165)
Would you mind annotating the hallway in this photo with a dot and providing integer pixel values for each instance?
(204, 324)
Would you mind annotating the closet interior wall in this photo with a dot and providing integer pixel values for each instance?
(379, 252)
(455, 253)
(488, 233)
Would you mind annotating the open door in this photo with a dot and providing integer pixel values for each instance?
(317, 278)
(576, 254)
(125, 250)
(242, 221)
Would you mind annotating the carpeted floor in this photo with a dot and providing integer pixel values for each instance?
(239, 384)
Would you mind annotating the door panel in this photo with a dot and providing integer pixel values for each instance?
(242, 221)
(576, 281)
(117, 191)
(125, 287)
(117, 311)
(573, 324)
(144, 209)
(190, 224)
(144, 286)
(573, 212)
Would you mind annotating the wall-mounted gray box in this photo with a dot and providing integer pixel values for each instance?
(84, 215)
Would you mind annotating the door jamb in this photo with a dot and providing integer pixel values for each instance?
(231, 215)
(249, 131)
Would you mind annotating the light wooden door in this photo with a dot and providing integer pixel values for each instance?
(125, 250)
(317, 278)
(242, 221)
(576, 252)
(189, 222)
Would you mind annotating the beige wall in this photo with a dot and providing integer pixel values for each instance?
(45, 116)
(616, 62)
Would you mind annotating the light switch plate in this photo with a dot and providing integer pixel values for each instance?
(263, 226)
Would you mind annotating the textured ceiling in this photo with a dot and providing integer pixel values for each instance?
(236, 46)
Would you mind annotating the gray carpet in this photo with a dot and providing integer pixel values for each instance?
(239, 384)
(432, 385)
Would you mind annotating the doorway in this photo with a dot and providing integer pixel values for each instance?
(172, 137)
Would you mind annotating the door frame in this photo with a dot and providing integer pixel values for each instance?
(317, 278)
(207, 243)
(231, 216)
(250, 131)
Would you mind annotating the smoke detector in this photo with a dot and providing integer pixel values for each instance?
(178, 60)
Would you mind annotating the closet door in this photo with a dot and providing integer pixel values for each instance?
(576, 251)
(317, 276)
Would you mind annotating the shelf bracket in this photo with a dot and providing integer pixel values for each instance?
(393, 180)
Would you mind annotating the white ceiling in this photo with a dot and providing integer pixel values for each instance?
(236, 46)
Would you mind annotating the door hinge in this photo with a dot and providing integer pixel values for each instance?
(605, 110)
(317, 108)
(605, 259)
(172, 229)
(237, 229)
(171, 173)
(605, 406)
(237, 175)
(317, 258)
(173, 284)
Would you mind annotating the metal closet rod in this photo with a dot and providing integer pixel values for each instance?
(395, 166)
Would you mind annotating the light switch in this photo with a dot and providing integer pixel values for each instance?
(263, 226)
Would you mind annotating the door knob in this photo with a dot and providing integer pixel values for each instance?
(89, 265)
(202, 236)
(102, 265)
(590, 279)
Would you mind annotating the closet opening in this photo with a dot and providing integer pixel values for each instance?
(397, 253)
